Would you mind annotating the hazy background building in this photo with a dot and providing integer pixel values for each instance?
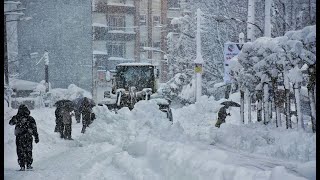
(63, 28)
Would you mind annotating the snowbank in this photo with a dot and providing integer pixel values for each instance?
(197, 121)
(142, 144)
(71, 93)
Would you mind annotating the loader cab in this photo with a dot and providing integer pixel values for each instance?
(138, 75)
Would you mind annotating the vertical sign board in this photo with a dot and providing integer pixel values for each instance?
(231, 49)
(198, 68)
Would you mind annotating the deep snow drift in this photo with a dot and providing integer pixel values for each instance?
(143, 144)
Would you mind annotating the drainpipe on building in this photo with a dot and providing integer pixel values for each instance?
(150, 28)
(164, 64)
(137, 31)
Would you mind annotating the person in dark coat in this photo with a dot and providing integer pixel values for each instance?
(67, 122)
(222, 114)
(77, 111)
(86, 110)
(59, 122)
(25, 129)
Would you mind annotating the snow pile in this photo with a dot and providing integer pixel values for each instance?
(198, 122)
(138, 144)
(180, 86)
(71, 93)
(269, 141)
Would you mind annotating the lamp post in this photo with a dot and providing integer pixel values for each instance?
(46, 63)
(199, 60)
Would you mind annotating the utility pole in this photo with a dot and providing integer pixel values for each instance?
(251, 19)
(267, 18)
(199, 60)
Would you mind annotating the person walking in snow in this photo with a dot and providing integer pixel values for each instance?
(25, 129)
(222, 114)
(86, 110)
(59, 122)
(67, 122)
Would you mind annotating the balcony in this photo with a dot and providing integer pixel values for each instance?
(118, 7)
(113, 33)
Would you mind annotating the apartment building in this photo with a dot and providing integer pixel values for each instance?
(131, 31)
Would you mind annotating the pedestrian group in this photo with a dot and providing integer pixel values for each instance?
(26, 127)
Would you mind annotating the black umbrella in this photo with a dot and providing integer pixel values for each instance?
(79, 101)
(65, 103)
(227, 104)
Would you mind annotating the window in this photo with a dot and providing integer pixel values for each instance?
(173, 4)
(156, 44)
(116, 22)
(116, 49)
(156, 20)
(142, 19)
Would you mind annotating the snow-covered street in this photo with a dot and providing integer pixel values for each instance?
(143, 144)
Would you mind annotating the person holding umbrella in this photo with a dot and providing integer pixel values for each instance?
(222, 114)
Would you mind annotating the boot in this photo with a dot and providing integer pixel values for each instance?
(22, 168)
(83, 129)
(29, 166)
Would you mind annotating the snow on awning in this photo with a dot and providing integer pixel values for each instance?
(20, 84)
(120, 4)
(152, 49)
(100, 52)
(14, 13)
(119, 59)
(134, 64)
(12, 2)
(99, 25)
(121, 31)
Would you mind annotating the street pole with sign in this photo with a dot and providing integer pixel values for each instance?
(199, 60)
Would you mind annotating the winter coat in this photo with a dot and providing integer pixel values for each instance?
(222, 114)
(66, 117)
(86, 107)
(25, 124)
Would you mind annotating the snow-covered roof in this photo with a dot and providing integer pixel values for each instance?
(135, 64)
(20, 84)
(100, 52)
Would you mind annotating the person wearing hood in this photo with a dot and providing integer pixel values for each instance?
(25, 129)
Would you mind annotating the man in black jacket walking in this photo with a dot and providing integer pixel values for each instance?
(25, 128)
